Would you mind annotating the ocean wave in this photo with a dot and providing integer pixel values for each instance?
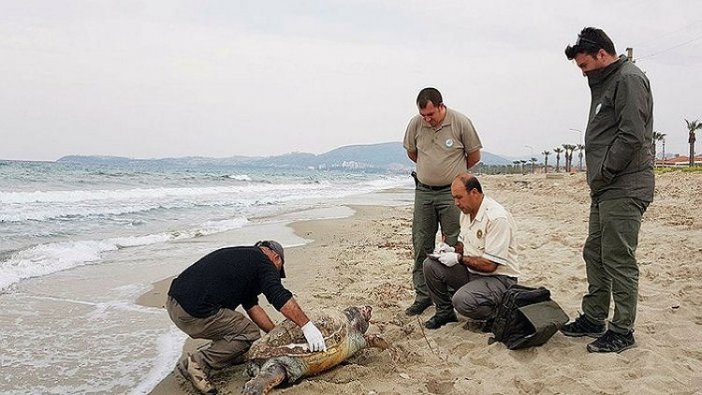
(388, 183)
(76, 196)
(239, 177)
(50, 258)
(74, 212)
(84, 204)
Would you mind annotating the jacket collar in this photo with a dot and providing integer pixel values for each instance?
(596, 77)
(481, 210)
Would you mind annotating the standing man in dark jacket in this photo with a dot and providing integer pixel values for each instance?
(620, 175)
(202, 302)
(443, 143)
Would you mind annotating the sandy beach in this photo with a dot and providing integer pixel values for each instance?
(367, 258)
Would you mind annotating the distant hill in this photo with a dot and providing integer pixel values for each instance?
(383, 157)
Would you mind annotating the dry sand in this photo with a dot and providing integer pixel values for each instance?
(366, 259)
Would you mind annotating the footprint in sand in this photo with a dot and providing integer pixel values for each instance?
(435, 386)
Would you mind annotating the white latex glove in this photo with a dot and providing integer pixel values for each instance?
(449, 258)
(314, 337)
(443, 247)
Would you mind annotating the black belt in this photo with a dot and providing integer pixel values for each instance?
(432, 187)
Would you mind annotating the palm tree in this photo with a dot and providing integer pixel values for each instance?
(568, 156)
(657, 136)
(516, 163)
(663, 153)
(523, 162)
(546, 154)
(580, 148)
(691, 127)
(533, 164)
(558, 151)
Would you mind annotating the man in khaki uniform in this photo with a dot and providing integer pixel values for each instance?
(443, 143)
(484, 270)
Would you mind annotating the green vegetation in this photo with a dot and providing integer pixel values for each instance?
(664, 170)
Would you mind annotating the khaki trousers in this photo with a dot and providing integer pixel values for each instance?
(230, 331)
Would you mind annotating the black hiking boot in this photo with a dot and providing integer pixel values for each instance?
(438, 321)
(582, 326)
(613, 342)
(417, 307)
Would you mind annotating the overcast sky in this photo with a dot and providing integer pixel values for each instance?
(150, 79)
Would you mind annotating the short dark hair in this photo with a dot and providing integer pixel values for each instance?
(427, 95)
(590, 41)
(470, 182)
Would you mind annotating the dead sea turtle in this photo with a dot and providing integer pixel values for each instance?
(282, 354)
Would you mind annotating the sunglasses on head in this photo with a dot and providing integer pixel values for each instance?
(583, 40)
(581, 44)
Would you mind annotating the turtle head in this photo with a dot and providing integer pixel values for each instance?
(359, 316)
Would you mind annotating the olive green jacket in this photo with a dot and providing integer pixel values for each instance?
(619, 133)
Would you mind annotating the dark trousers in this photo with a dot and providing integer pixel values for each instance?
(476, 296)
(610, 261)
(431, 209)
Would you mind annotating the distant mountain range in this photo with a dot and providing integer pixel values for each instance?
(383, 157)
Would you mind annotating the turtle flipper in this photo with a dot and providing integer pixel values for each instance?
(267, 378)
(378, 342)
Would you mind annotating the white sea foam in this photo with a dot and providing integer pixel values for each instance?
(387, 183)
(239, 177)
(169, 346)
(49, 258)
(74, 196)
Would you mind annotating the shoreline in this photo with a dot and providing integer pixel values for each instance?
(301, 263)
(366, 259)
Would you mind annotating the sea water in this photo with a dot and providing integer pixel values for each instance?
(79, 244)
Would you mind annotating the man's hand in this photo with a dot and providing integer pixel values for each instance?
(314, 337)
(449, 258)
(443, 247)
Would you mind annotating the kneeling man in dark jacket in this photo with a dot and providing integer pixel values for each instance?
(202, 302)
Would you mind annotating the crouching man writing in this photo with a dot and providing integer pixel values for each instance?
(486, 267)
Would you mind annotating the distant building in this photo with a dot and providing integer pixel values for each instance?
(678, 161)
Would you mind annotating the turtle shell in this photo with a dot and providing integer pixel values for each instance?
(287, 339)
(286, 347)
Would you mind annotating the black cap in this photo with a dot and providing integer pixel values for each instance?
(277, 248)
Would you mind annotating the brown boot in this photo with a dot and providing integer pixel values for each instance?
(192, 371)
